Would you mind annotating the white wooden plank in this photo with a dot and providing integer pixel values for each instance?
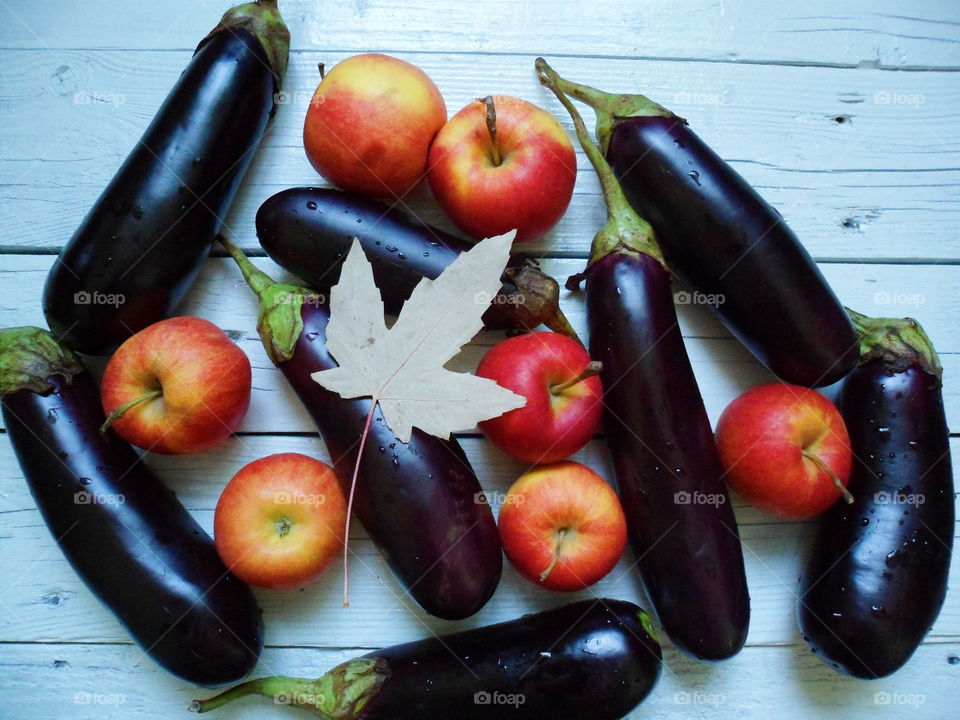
(46, 601)
(65, 682)
(723, 366)
(891, 33)
(861, 189)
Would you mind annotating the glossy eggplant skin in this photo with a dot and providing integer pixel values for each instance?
(129, 538)
(590, 660)
(719, 235)
(309, 231)
(877, 574)
(141, 246)
(679, 517)
(420, 502)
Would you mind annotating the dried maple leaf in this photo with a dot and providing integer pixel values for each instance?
(402, 367)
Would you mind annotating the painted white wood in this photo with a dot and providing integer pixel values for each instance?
(891, 33)
(882, 184)
(724, 368)
(801, 99)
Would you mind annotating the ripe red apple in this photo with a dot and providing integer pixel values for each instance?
(562, 526)
(501, 164)
(279, 521)
(178, 386)
(370, 123)
(785, 449)
(554, 373)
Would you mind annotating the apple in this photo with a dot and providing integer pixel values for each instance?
(501, 164)
(370, 124)
(785, 450)
(178, 386)
(563, 391)
(562, 526)
(280, 520)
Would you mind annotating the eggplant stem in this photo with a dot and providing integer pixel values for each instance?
(559, 323)
(897, 342)
(594, 367)
(846, 494)
(556, 555)
(624, 231)
(491, 119)
(118, 412)
(255, 277)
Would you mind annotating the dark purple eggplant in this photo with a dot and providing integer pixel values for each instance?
(590, 660)
(141, 246)
(419, 502)
(717, 233)
(124, 533)
(309, 231)
(877, 574)
(679, 517)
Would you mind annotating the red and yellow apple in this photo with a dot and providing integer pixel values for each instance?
(279, 522)
(785, 450)
(562, 526)
(500, 164)
(370, 124)
(178, 386)
(563, 391)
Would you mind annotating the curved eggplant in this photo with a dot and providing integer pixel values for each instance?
(124, 533)
(309, 231)
(420, 502)
(679, 518)
(590, 660)
(877, 574)
(141, 246)
(725, 240)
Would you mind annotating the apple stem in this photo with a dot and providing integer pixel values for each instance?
(118, 413)
(353, 487)
(594, 367)
(846, 494)
(556, 555)
(492, 128)
(322, 67)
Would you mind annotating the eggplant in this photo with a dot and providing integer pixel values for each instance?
(309, 231)
(719, 235)
(680, 520)
(419, 502)
(124, 533)
(590, 660)
(877, 573)
(141, 246)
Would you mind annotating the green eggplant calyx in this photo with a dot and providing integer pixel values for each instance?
(647, 624)
(30, 356)
(897, 342)
(262, 20)
(280, 322)
(611, 109)
(624, 231)
(340, 694)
